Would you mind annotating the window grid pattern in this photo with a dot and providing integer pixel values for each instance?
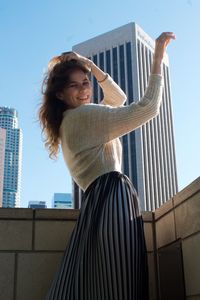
(160, 179)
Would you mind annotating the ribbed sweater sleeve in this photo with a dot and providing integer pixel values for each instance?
(94, 124)
(113, 94)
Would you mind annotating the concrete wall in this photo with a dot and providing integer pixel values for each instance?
(179, 219)
(32, 244)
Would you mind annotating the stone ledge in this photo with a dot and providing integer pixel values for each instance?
(164, 209)
(55, 214)
(16, 213)
(52, 214)
(43, 213)
(147, 216)
(187, 192)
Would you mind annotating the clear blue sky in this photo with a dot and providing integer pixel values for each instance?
(32, 32)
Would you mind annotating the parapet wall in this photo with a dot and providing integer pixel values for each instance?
(177, 230)
(32, 243)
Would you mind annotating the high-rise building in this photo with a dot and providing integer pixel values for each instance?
(12, 158)
(37, 204)
(62, 200)
(126, 53)
(2, 156)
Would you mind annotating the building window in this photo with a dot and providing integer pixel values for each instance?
(129, 71)
(101, 64)
(122, 67)
(95, 84)
(115, 65)
(108, 64)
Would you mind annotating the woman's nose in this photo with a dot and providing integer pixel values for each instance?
(82, 87)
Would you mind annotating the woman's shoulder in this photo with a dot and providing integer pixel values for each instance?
(82, 119)
(85, 115)
(89, 107)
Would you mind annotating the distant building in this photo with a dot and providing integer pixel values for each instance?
(2, 157)
(37, 204)
(12, 158)
(149, 158)
(62, 200)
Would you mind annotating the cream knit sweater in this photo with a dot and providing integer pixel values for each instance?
(90, 133)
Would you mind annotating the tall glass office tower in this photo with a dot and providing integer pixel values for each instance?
(12, 158)
(148, 153)
(2, 156)
(62, 200)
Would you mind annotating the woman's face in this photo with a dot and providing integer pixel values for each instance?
(78, 91)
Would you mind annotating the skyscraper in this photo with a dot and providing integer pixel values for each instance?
(62, 200)
(148, 153)
(12, 158)
(2, 156)
(37, 204)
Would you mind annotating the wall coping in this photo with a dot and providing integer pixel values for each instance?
(72, 214)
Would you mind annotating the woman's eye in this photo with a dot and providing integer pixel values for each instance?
(73, 85)
(77, 85)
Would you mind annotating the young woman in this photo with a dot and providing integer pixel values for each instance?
(106, 256)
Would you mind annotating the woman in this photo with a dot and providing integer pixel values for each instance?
(106, 255)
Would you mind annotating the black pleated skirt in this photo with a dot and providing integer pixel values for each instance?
(106, 257)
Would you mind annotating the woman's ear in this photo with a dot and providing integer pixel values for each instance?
(59, 95)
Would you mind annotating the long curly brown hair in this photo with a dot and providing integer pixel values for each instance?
(51, 110)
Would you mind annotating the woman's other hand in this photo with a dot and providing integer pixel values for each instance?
(161, 43)
(160, 46)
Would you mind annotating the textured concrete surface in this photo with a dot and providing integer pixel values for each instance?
(165, 230)
(187, 217)
(7, 261)
(191, 259)
(52, 235)
(34, 274)
(15, 235)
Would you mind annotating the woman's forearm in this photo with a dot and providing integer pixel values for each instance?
(156, 66)
(98, 73)
(112, 94)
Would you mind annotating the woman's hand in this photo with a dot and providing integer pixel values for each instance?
(161, 43)
(96, 71)
(73, 55)
(160, 46)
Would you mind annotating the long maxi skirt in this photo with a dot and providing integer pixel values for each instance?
(106, 257)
